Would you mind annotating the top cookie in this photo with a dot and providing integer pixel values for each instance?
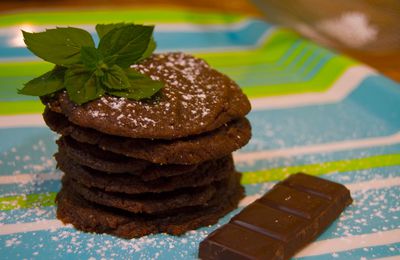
(195, 99)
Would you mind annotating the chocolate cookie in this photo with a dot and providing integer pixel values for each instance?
(147, 203)
(131, 184)
(96, 158)
(90, 217)
(196, 99)
(191, 150)
(93, 157)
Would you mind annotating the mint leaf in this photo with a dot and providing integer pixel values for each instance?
(140, 88)
(125, 45)
(88, 73)
(45, 84)
(115, 78)
(90, 56)
(103, 29)
(150, 49)
(60, 46)
(133, 74)
(82, 84)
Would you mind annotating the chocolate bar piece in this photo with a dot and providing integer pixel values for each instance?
(287, 218)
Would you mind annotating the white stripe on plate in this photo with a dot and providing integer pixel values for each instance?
(318, 148)
(390, 257)
(28, 120)
(51, 224)
(29, 178)
(348, 243)
(353, 187)
(346, 83)
(374, 184)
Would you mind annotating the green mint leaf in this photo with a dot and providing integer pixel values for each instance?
(88, 73)
(90, 56)
(134, 75)
(150, 49)
(103, 29)
(45, 84)
(125, 45)
(60, 46)
(140, 89)
(82, 84)
(115, 78)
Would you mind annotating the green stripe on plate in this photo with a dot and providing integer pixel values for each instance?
(275, 174)
(27, 201)
(275, 46)
(298, 71)
(278, 44)
(24, 69)
(292, 63)
(137, 15)
(322, 81)
(21, 107)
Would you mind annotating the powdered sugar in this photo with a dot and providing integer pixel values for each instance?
(193, 96)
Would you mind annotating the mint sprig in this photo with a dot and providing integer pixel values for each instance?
(87, 72)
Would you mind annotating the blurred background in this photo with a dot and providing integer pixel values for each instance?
(367, 30)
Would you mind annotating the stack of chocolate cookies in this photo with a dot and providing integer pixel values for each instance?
(159, 165)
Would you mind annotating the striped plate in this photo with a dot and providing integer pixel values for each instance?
(313, 111)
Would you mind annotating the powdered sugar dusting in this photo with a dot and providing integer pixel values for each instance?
(373, 211)
(191, 101)
(67, 241)
(185, 77)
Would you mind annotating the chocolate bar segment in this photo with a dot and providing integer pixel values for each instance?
(236, 242)
(281, 226)
(288, 217)
(317, 186)
(293, 201)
